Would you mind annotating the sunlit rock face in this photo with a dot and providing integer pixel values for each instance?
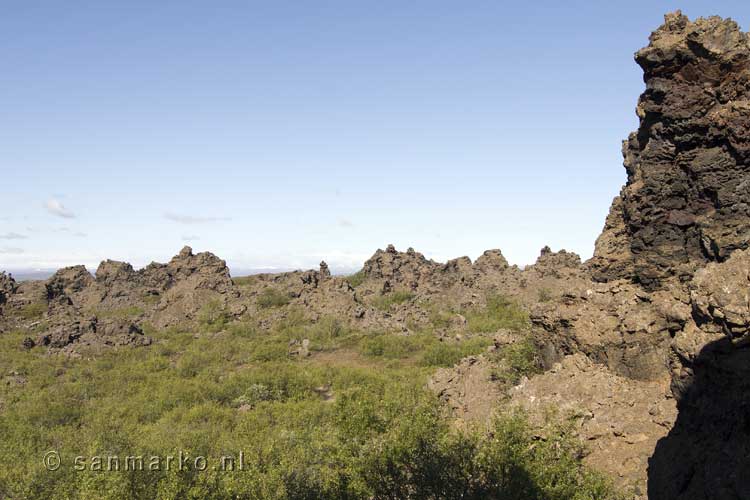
(687, 198)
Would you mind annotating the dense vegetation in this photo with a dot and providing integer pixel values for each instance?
(353, 420)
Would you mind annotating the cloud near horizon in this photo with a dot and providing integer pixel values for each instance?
(13, 236)
(11, 250)
(54, 207)
(192, 219)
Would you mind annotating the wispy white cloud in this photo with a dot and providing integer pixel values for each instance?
(190, 237)
(55, 207)
(345, 223)
(192, 219)
(11, 250)
(13, 236)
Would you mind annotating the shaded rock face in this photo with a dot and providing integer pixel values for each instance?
(687, 198)
(706, 455)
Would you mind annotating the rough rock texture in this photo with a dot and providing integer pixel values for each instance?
(93, 331)
(720, 295)
(67, 282)
(620, 418)
(408, 269)
(471, 388)
(109, 308)
(617, 324)
(7, 287)
(706, 454)
(687, 198)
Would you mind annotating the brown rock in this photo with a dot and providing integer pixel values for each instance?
(686, 201)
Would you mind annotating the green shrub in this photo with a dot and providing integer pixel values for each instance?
(386, 301)
(449, 353)
(33, 310)
(356, 279)
(271, 297)
(245, 280)
(440, 318)
(213, 316)
(378, 433)
(392, 346)
(128, 312)
(516, 361)
(420, 458)
(499, 312)
(545, 295)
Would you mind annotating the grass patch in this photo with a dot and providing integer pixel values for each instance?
(390, 346)
(544, 295)
(518, 360)
(245, 280)
(213, 316)
(449, 353)
(33, 310)
(380, 435)
(499, 312)
(356, 279)
(151, 299)
(386, 301)
(129, 312)
(271, 297)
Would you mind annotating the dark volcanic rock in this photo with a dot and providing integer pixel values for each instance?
(82, 308)
(68, 281)
(687, 198)
(706, 454)
(407, 269)
(91, 331)
(7, 287)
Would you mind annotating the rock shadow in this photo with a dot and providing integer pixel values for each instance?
(706, 455)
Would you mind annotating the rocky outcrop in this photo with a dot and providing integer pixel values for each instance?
(407, 269)
(92, 331)
(621, 419)
(681, 230)
(720, 294)
(555, 264)
(67, 282)
(108, 308)
(491, 260)
(617, 324)
(7, 287)
(687, 198)
(189, 282)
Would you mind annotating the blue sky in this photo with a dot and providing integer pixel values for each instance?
(277, 134)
